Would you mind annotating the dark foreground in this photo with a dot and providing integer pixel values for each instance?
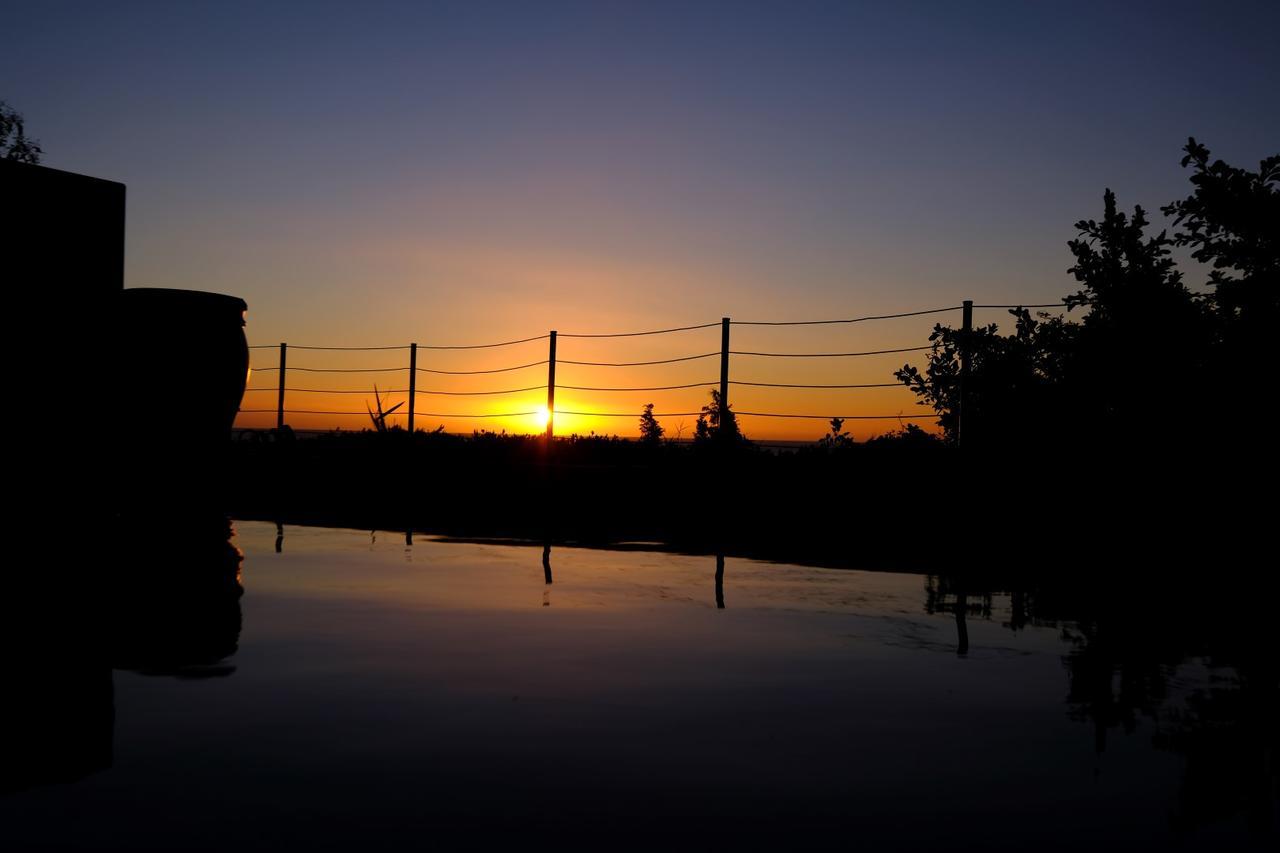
(883, 504)
(368, 692)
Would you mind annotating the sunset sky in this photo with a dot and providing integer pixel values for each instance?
(375, 174)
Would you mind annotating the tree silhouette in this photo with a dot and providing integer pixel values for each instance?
(1145, 339)
(1231, 221)
(717, 423)
(1141, 318)
(14, 144)
(1013, 384)
(650, 430)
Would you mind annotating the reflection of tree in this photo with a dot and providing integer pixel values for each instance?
(944, 594)
(951, 595)
(1229, 736)
(1132, 646)
(1110, 683)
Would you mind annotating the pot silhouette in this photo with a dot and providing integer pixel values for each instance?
(182, 363)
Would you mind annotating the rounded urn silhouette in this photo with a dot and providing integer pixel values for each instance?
(183, 363)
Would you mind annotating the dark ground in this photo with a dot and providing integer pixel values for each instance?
(876, 505)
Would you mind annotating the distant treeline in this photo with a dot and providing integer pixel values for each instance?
(695, 494)
(909, 501)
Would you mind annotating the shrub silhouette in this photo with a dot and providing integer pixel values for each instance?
(14, 143)
(650, 430)
(717, 423)
(379, 417)
(838, 438)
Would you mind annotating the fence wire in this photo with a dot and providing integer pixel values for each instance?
(827, 354)
(794, 385)
(851, 320)
(414, 391)
(638, 363)
(639, 334)
(478, 372)
(396, 414)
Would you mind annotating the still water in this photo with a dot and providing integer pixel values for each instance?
(369, 692)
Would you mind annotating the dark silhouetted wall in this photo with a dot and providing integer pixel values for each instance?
(62, 256)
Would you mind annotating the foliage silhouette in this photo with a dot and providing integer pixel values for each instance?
(1146, 340)
(14, 143)
(1012, 380)
(1146, 335)
(650, 430)
(489, 483)
(838, 438)
(910, 436)
(1231, 221)
(718, 424)
(379, 417)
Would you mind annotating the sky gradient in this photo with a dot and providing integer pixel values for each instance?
(472, 172)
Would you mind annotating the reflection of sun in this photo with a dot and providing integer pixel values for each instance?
(542, 416)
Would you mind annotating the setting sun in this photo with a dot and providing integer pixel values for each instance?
(542, 417)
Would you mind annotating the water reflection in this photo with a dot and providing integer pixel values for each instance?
(546, 574)
(172, 609)
(58, 722)
(179, 615)
(1195, 664)
(832, 695)
(951, 595)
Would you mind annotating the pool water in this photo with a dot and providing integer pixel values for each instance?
(378, 691)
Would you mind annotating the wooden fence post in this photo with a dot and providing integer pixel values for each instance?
(724, 375)
(413, 383)
(284, 349)
(966, 362)
(551, 389)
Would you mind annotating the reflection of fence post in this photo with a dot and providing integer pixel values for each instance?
(966, 362)
(551, 389)
(724, 375)
(284, 349)
(413, 382)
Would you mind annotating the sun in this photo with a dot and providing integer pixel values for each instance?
(542, 417)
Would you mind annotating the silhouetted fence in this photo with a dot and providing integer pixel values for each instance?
(412, 369)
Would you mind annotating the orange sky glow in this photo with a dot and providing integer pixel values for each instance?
(582, 410)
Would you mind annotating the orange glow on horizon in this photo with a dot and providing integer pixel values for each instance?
(603, 383)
